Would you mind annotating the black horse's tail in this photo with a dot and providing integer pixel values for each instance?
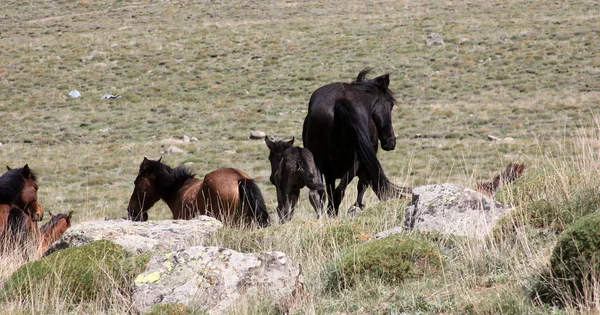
(252, 203)
(347, 116)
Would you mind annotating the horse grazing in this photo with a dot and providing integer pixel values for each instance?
(226, 194)
(19, 187)
(336, 130)
(510, 174)
(52, 230)
(293, 168)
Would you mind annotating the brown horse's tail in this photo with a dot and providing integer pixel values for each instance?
(252, 203)
(347, 116)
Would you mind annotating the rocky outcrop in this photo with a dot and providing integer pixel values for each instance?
(139, 237)
(452, 209)
(215, 278)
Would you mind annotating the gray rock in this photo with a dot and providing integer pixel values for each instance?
(139, 237)
(388, 232)
(434, 39)
(453, 209)
(193, 139)
(172, 149)
(215, 278)
(492, 138)
(256, 134)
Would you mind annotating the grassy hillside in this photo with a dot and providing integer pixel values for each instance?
(528, 70)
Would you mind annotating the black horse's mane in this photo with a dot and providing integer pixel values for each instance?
(370, 85)
(11, 184)
(168, 179)
(54, 220)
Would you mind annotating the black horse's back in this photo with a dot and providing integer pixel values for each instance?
(252, 200)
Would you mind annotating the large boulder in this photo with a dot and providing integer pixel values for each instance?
(139, 237)
(215, 278)
(452, 209)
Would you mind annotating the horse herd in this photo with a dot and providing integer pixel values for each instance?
(341, 131)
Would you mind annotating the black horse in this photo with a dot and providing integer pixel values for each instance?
(293, 168)
(336, 131)
(360, 171)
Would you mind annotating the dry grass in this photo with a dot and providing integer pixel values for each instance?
(520, 69)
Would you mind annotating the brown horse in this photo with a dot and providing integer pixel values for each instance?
(226, 194)
(293, 168)
(510, 174)
(52, 230)
(20, 232)
(19, 187)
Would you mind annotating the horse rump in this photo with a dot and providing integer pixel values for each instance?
(252, 204)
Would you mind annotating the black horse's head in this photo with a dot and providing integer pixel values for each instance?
(276, 148)
(383, 103)
(145, 193)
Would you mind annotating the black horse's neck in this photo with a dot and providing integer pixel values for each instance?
(171, 180)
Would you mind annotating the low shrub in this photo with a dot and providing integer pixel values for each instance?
(391, 259)
(78, 274)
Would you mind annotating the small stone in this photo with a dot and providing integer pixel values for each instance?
(509, 139)
(256, 134)
(492, 138)
(434, 39)
(74, 94)
(418, 135)
(186, 139)
(194, 139)
(229, 151)
(173, 149)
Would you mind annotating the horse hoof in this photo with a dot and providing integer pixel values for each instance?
(354, 211)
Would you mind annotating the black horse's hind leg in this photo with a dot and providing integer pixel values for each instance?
(292, 196)
(330, 188)
(282, 206)
(340, 191)
(363, 184)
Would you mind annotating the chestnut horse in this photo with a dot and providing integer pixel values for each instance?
(52, 230)
(19, 187)
(18, 193)
(226, 194)
(509, 175)
(293, 168)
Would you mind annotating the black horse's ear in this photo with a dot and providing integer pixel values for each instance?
(8, 168)
(160, 159)
(269, 143)
(145, 159)
(51, 214)
(26, 171)
(291, 142)
(70, 216)
(383, 81)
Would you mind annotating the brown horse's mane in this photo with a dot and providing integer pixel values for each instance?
(370, 85)
(168, 180)
(11, 184)
(54, 220)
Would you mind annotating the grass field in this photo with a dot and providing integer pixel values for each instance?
(528, 70)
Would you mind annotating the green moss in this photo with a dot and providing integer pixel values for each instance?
(77, 274)
(552, 209)
(391, 259)
(576, 257)
(173, 309)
